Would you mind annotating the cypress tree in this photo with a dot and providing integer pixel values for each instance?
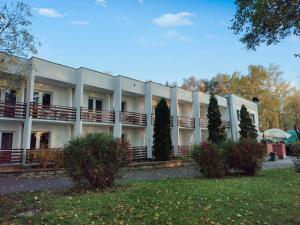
(215, 131)
(247, 128)
(162, 132)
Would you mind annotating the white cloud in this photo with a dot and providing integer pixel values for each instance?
(171, 34)
(101, 2)
(172, 20)
(80, 22)
(48, 12)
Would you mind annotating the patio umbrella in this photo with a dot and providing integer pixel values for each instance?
(276, 134)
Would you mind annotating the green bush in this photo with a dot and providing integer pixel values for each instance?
(209, 158)
(245, 156)
(95, 159)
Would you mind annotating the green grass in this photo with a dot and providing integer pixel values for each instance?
(273, 197)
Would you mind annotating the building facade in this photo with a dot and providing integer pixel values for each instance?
(53, 103)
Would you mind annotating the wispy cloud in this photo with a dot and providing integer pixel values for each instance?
(174, 35)
(101, 2)
(48, 12)
(80, 22)
(173, 20)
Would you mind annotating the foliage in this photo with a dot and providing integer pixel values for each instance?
(47, 157)
(209, 158)
(295, 150)
(162, 142)
(244, 156)
(216, 133)
(95, 158)
(265, 21)
(247, 128)
(272, 198)
(15, 34)
(279, 104)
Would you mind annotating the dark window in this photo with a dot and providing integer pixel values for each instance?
(44, 142)
(7, 141)
(238, 115)
(33, 141)
(36, 96)
(98, 105)
(10, 102)
(123, 106)
(46, 100)
(91, 104)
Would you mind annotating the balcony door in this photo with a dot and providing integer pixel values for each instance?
(6, 144)
(10, 103)
(95, 106)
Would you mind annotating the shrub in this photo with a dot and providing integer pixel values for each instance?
(296, 150)
(95, 159)
(209, 158)
(244, 156)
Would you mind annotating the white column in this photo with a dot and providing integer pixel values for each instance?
(233, 117)
(149, 128)
(196, 115)
(117, 107)
(78, 103)
(28, 120)
(174, 113)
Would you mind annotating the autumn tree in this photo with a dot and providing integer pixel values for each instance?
(265, 22)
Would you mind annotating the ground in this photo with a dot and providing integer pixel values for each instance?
(273, 197)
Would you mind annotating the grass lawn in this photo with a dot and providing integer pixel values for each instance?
(273, 197)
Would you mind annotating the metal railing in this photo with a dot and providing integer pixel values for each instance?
(138, 153)
(185, 122)
(9, 110)
(87, 115)
(52, 112)
(185, 150)
(10, 157)
(133, 118)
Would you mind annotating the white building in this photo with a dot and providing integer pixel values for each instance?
(56, 103)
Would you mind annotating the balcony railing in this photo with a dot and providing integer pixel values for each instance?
(138, 152)
(17, 110)
(52, 112)
(203, 123)
(226, 124)
(10, 156)
(133, 118)
(185, 122)
(45, 157)
(97, 116)
(185, 150)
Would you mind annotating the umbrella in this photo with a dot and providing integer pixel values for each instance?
(276, 133)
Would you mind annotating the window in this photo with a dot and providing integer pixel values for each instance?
(10, 102)
(95, 104)
(46, 100)
(91, 104)
(123, 106)
(6, 141)
(36, 97)
(33, 141)
(238, 115)
(44, 141)
(252, 116)
(98, 105)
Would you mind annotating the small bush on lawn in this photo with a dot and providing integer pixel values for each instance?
(245, 156)
(95, 159)
(209, 157)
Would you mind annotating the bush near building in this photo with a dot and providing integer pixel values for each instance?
(94, 160)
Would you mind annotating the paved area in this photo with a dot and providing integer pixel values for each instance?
(12, 183)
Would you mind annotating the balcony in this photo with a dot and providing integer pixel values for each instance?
(185, 122)
(9, 110)
(138, 153)
(185, 150)
(133, 118)
(95, 116)
(52, 112)
(11, 156)
(203, 123)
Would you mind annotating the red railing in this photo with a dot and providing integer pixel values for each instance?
(185, 122)
(138, 153)
(17, 110)
(10, 156)
(185, 150)
(52, 112)
(97, 116)
(133, 118)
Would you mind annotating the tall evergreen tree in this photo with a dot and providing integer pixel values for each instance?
(162, 132)
(215, 131)
(247, 128)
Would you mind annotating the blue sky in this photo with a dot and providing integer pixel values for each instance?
(159, 40)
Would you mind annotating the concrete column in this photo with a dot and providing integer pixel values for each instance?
(117, 107)
(233, 117)
(78, 103)
(149, 128)
(28, 119)
(196, 115)
(174, 113)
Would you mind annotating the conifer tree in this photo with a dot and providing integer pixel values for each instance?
(215, 131)
(162, 132)
(247, 128)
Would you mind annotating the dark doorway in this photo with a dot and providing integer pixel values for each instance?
(33, 141)
(44, 142)
(10, 103)
(46, 100)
